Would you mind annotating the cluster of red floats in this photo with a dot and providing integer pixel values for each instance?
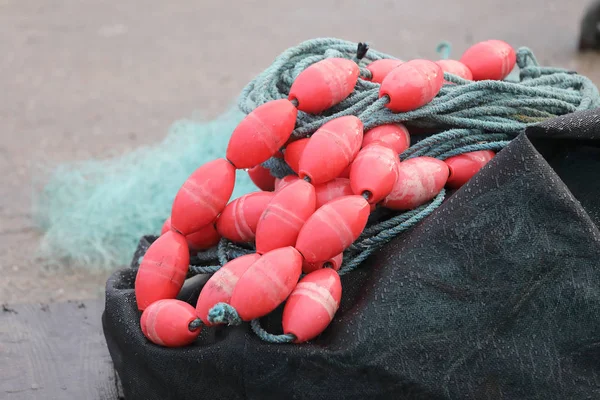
(302, 224)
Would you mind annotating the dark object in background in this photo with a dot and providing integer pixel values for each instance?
(589, 37)
(496, 295)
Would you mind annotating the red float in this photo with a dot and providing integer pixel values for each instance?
(293, 152)
(455, 68)
(346, 172)
(333, 228)
(334, 263)
(202, 239)
(374, 172)
(166, 226)
(333, 189)
(492, 59)
(381, 68)
(267, 283)
(203, 196)
(394, 136)
(283, 182)
(220, 286)
(239, 219)
(166, 323)
(262, 178)
(420, 179)
(412, 85)
(324, 84)
(312, 305)
(162, 270)
(281, 221)
(331, 149)
(262, 133)
(464, 166)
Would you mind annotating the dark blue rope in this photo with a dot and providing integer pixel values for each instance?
(223, 313)
(268, 337)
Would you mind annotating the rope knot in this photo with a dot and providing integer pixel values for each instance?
(223, 313)
(525, 58)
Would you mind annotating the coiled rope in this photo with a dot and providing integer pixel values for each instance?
(465, 116)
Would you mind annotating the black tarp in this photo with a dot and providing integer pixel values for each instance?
(496, 295)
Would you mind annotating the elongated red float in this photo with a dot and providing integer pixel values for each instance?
(333, 189)
(283, 182)
(281, 221)
(420, 179)
(220, 286)
(166, 323)
(239, 219)
(412, 85)
(381, 68)
(203, 196)
(374, 172)
(262, 133)
(312, 305)
(346, 172)
(333, 228)
(267, 283)
(262, 178)
(331, 149)
(394, 136)
(492, 59)
(162, 270)
(334, 263)
(293, 152)
(202, 239)
(324, 84)
(457, 68)
(464, 166)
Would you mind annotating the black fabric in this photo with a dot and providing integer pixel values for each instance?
(494, 296)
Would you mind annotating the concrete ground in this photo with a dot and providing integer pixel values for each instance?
(81, 79)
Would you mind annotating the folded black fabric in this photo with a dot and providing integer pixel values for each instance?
(494, 296)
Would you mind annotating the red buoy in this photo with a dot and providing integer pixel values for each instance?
(293, 152)
(283, 182)
(331, 149)
(202, 239)
(420, 179)
(166, 226)
(333, 228)
(374, 172)
(412, 85)
(334, 263)
(464, 166)
(324, 84)
(267, 283)
(394, 136)
(203, 196)
(166, 323)
(220, 286)
(262, 178)
(239, 219)
(455, 68)
(162, 270)
(262, 133)
(346, 172)
(312, 305)
(492, 59)
(333, 189)
(283, 217)
(381, 68)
